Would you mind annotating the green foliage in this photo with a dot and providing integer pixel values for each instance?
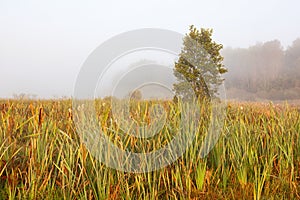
(199, 66)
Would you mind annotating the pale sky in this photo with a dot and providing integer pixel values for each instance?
(44, 43)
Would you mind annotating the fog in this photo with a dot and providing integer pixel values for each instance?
(264, 71)
(43, 44)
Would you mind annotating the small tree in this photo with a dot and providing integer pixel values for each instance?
(136, 95)
(199, 67)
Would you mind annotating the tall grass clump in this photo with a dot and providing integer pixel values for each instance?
(42, 156)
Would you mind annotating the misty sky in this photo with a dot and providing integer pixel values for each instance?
(44, 43)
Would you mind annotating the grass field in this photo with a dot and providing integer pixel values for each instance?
(41, 157)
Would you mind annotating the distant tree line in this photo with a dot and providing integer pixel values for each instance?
(263, 71)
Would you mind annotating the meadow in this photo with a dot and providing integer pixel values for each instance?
(256, 157)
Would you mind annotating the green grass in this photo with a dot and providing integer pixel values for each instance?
(41, 157)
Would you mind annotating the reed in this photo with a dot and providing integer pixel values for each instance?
(41, 156)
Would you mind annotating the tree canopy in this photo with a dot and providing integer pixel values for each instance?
(199, 67)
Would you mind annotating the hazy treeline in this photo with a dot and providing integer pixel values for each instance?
(263, 71)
